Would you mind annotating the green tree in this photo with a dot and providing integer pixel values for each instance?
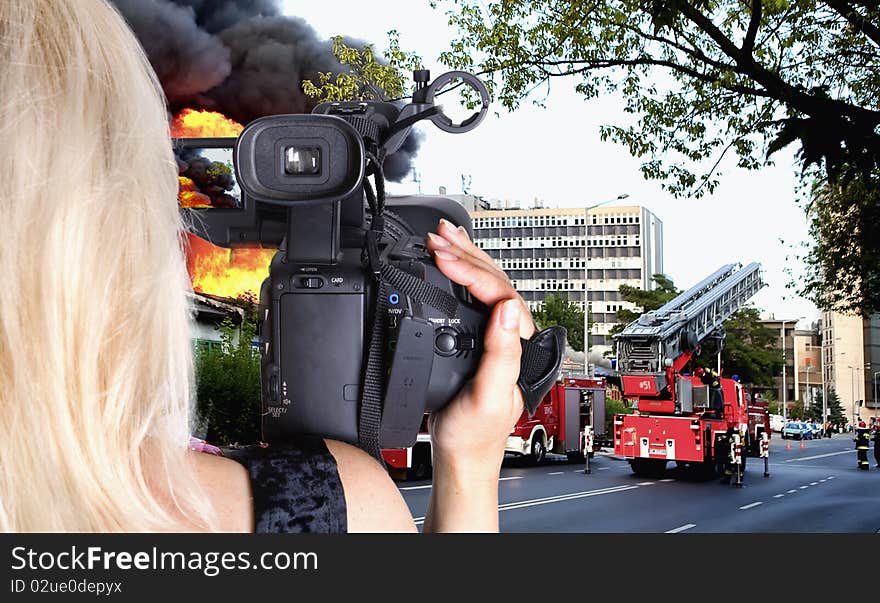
(645, 300)
(366, 76)
(843, 259)
(614, 407)
(749, 349)
(228, 386)
(556, 310)
(703, 79)
(835, 409)
(748, 76)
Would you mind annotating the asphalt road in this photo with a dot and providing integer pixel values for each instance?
(813, 489)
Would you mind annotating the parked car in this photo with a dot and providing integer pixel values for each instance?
(797, 430)
(777, 422)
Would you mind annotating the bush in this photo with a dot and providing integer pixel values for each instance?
(614, 407)
(228, 387)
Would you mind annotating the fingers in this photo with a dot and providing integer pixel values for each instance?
(459, 237)
(483, 281)
(499, 365)
(439, 242)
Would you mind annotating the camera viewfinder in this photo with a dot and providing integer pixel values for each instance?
(301, 161)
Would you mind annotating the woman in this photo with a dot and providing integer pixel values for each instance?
(95, 352)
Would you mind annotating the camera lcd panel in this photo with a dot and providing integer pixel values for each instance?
(206, 177)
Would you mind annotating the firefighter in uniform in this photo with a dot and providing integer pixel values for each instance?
(863, 437)
(876, 429)
(724, 452)
(713, 380)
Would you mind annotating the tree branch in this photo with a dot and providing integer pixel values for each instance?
(796, 98)
(754, 22)
(610, 63)
(856, 19)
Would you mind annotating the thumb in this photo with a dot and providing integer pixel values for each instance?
(499, 366)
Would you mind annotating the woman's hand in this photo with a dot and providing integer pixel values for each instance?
(469, 434)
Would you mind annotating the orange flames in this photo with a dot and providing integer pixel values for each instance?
(194, 123)
(216, 270)
(226, 272)
(190, 196)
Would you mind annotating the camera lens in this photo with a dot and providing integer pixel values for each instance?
(302, 161)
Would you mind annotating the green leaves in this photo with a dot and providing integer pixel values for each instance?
(557, 310)
(698, 90)
(843, 261)
(368, 77)
(228, 383)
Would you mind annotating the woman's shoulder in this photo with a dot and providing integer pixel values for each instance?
(227, 484)
(373, 502)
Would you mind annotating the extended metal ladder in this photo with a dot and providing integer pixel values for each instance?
(657, 338)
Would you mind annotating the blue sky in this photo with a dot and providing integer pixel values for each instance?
(752, 216)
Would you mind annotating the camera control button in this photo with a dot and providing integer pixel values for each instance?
(311, 282)
(466, 342)
(445, 341)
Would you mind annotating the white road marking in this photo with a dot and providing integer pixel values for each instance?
(668, 479)
(804, 487)
(551, 499)
(830, 477)
(817, 456)
(822, 481)
(754, 504)
(814, 483)
(645, 484)
(779, 496)
(604, 468)
(791, 491)
(555, 473)
(686, 526)
(425, 487)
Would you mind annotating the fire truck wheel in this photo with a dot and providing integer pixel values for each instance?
(539, 451)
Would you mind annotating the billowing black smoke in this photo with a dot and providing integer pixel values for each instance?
(239, 57)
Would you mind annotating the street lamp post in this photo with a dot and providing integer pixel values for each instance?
(586, 289)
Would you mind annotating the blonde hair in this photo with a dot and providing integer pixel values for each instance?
(95, 352)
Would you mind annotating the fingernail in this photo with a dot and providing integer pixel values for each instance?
(438, 240)
(464, 232)
(510, 315)
(445, 255)
(447, 223)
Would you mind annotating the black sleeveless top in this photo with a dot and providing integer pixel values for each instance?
(296, 487)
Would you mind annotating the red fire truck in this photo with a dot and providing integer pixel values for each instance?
(413, 462)
(678, 417)
(570, 419)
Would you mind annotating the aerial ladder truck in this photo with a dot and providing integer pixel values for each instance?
(674, 417)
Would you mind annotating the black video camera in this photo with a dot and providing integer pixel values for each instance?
(361, 334)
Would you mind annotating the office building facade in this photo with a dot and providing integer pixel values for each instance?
(581, 254)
